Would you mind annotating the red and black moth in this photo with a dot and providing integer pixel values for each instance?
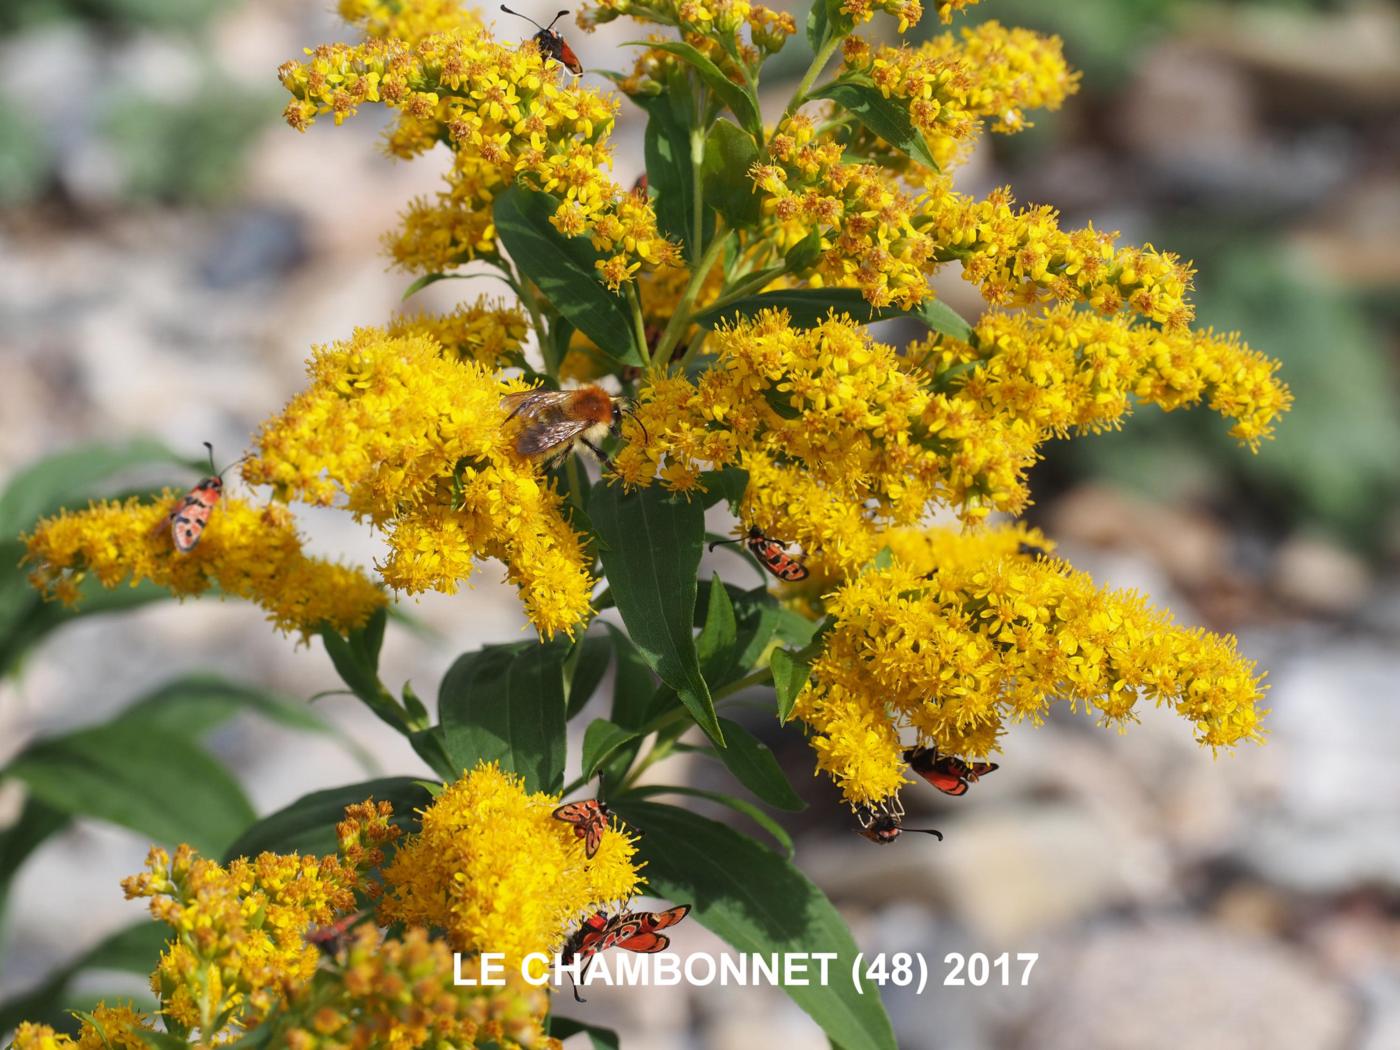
(772, 555)
(552, 44)
(884, 828)
(948, 773)
(589, 819)
(191, 515)
(632, 931)
(333, 938)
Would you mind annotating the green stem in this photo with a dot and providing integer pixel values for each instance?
(819, 61)
(696, 342)
(746, 287)
(639, 324)
(681, 318)
(697, 179)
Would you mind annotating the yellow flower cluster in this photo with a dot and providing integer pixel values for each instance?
(111, 1028)
(908, 12)
(1020, 258)
(417, 441)
(950, 86)
(825, 420)
(246, 552)
(507, 119)
(962, 634)
(409, 20)
(494, 869)
(399, 993)
(239, 931)
(487, 332)
(858, 223)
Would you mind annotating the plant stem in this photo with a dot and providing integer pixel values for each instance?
(681, 318)
(638, 322)
(819, 61)
(697, 162)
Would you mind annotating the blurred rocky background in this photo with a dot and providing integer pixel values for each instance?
(169, 251)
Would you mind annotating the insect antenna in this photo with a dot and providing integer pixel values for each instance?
(923, 831)
(527, 18)
(630, 410)
(556, 18)
(721, 543)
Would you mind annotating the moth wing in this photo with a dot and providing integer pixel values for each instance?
(569, 59)
(661, 919)
(547, 435)
(948, 783)
(573, 813)
(980, 769)
(186, 531)
(593, 836)
(646, 943)
(794, 571)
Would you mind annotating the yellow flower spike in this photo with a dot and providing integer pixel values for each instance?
(246, 552)
(494, 868)
(967, 632)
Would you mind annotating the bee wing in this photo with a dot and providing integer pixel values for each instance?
(547, 435)
(531, 402)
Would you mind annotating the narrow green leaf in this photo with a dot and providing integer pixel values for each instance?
(429, 279)
(600, 740)
(601, 1038)
(882, 116)
(308, 824)
(584, 670)
(758, 902)
(562, 267)
(196, 703)
(368, 640)
(809, 307)
(718, 641)
(789, 676)
(634, 684)
(72, 476)
(670, 172)
(654, 545)
(506, 704)
(740, 102)
(147, 779)
(817, 25)
(729, 154)
(754, 766)
(739, 805)
(27, 618)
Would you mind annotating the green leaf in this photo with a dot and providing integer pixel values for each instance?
(817, 25)
(584, 670)
(506, 704)
(432, 278)
(150, 780)
(308, 824)
(739, 805)
(790, 674)
(758, 902)
(809, 307)
(654, 544)
(754, 766)
(563, 269)
(72, 476)
(670, 172)
(882, 116)
(196, 703)
(133, 949)
(740, 102)
(634, 684)
(600, 740)
(718, 642)
(729, 154)
(727, 484)
(601, 1038)
(26, 618)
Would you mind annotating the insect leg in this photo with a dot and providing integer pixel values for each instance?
(602, 456)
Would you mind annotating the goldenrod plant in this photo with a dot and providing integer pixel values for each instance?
(697, 341)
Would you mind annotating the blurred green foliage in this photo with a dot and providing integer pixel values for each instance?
(175, 151)
(23, 156)
(20, 15)
(1333, 463)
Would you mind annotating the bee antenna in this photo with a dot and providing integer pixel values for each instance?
(527, 18)
(556, 18)
(632, 412)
